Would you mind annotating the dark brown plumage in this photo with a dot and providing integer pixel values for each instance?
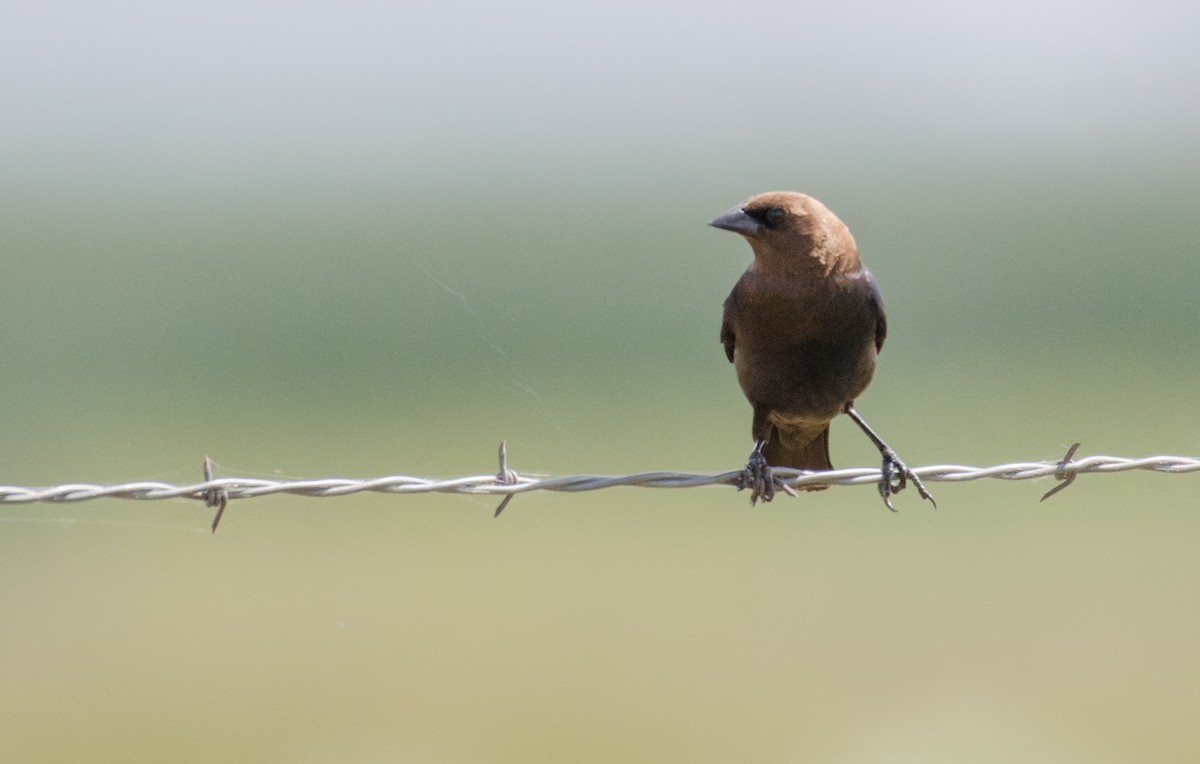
(802, 327)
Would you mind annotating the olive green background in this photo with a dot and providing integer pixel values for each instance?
(378, 239)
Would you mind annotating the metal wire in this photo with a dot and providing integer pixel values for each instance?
(214, 491)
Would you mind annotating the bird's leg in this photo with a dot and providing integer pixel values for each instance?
(757, 476)
(895, 473)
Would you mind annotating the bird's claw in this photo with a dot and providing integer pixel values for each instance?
(758, 478)
(894, 477)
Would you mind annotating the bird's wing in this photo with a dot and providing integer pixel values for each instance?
(727, 336)
(877, 306)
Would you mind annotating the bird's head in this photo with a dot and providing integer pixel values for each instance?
(791, 230)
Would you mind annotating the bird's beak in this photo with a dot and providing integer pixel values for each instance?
(738, 221)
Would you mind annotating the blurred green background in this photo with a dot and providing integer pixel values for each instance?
(378, 238)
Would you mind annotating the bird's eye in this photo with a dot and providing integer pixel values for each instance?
(773, 216)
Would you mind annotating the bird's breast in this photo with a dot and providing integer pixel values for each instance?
(801, 350)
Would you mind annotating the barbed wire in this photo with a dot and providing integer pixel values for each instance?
(216, 492)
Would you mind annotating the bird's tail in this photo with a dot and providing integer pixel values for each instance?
(785, 449)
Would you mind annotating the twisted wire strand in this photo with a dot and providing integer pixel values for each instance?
(508, 483)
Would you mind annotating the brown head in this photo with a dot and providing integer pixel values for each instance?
(792, 232)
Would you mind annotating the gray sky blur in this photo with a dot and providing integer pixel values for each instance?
(118, 95)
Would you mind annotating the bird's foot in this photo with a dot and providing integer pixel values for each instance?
(894, 478)
(758, 478)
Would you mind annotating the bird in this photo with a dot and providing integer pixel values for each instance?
(802, 328)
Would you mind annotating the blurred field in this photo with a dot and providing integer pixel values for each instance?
(394, 318)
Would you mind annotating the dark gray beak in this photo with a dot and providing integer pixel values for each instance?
(738, 221)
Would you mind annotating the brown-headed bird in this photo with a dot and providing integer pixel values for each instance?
(802, 328)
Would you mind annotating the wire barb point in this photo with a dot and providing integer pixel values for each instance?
(1063, 473)
(214, 497)
(505, 477)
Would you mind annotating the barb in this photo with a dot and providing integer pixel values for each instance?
(505, 477)
(216, 491)
(216, 498)
(1062, 474)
